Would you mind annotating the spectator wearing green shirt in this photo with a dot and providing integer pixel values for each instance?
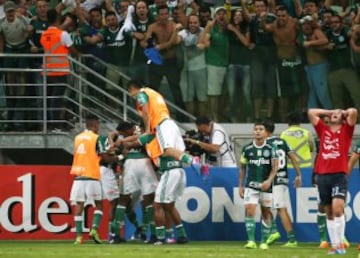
(342, 77)
(215, 38)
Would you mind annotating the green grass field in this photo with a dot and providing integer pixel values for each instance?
(50, 249)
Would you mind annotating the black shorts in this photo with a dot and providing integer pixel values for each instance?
(332, 186)
(289, 74)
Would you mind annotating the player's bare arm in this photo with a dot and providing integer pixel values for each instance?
(297, 181)
(274, 168)
(315, 113)
(351, 116)
(353, 159)
(242, 170)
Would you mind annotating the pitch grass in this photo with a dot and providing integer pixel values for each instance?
(66, 249)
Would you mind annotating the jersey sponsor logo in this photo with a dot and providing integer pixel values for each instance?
(332, 155)
(256, 185)
(332, 147)
(172, 163)
(287, 63)
(281, 180)
(259, 162)
(281, 174)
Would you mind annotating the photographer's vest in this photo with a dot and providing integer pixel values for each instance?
(86, 162)
(225, 149)
(298, 140)
(51, 42)
(158, 110)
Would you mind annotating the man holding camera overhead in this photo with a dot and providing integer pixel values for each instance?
(218, 149)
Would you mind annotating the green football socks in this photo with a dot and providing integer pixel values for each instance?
(250, 228)
(321, 221)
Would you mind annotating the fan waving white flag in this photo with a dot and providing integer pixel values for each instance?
(128, 24)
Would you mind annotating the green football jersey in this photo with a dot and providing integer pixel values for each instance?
(102, 145)
(139, 56)
(282, 151)
(168, 163)
(356, 147)
(118, 51)
(258, 160)
(136, 153)
(339, 57)
(39, 27)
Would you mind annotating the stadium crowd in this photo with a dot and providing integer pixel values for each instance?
(276, 56)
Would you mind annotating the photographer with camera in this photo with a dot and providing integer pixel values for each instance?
(218, 149)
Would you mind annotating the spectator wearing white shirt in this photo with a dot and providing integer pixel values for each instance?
(193, 81)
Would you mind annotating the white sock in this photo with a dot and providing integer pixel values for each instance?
(339, 228)
(332, 233)
(344, 227)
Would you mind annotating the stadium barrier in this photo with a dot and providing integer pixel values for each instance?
(34, 205)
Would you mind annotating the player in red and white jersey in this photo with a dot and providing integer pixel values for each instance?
(331, 167)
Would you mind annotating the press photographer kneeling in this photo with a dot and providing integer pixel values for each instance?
(218, 149)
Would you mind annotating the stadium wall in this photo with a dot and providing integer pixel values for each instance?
(34, 205)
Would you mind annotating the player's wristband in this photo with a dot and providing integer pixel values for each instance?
(198, 142)
(120, 157)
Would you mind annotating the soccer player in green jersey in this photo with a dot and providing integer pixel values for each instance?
(259, 162)
(171, 186)
(280, 186)
(138, 176)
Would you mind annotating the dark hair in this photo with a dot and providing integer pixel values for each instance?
(52, 16)
(264, 1)
(122, 126)
(72, 17)
(338, 16)
(269, 125)
(281, 8)
(135, 83)
(96, 9)
(332, 12)
(202, 120)
(136, 4)
(294, 118)
(244, 25)
(259, 122)
(90, 120)
(163, 6)
(110, 13)
(311, 1)
(204, 9)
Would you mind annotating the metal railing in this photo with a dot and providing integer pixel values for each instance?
(28, 94)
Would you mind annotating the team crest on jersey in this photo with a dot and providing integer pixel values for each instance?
(251, 154)
(266, 153)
